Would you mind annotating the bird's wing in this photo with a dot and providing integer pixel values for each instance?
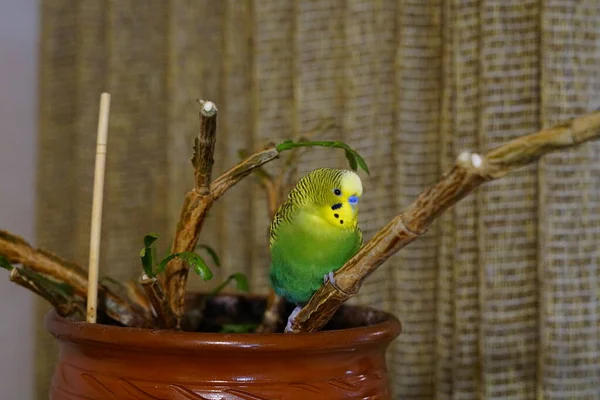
(360, 236)
(283, 214)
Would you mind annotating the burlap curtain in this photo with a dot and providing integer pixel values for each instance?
(501, 299)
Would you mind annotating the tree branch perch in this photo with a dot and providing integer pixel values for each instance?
(469, 171)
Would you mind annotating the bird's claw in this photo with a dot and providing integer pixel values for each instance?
(288, 327)
(329, 278)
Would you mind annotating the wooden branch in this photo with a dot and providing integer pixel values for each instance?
(195, 207)
(193, 214)
(18, 251)
(204, 146)
(470, 171)
(158, 300)
(243, 169)
(61, 296)
(119, 308)
(197, 203)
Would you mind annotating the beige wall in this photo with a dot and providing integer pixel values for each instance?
(18, 80)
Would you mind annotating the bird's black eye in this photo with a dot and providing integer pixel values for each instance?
(337, 192)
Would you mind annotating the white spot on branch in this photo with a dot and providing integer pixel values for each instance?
(464, 157)
(476, 160)
(209, 107)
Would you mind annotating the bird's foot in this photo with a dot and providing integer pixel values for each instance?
(329, 278)
(288, 327)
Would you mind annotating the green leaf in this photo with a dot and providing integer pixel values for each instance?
(4, 263)
(211, 252)
(193, 259)
(351, 160)
(362, 163)
(147, 255)
(150, 239)
(352, 155)
(238, 328)
(241, 283)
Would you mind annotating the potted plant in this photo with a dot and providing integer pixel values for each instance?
(154, 340)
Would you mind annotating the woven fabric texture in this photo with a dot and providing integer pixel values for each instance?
(499, 300)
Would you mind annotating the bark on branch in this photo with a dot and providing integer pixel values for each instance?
(470, 171)
(243, 169)
(204, 147)
(195, 207)
(47, 265)
(59, 295)
(158, 300)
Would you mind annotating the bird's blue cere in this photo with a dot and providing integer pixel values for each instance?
(353, 200)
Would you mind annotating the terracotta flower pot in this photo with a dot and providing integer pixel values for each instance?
(345, 361)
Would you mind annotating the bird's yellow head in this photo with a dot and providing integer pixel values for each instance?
(335, 193)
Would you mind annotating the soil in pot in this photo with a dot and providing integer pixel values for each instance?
(344, 361)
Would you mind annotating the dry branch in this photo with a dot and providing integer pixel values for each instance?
(50, 266)
(66, 304)
(470, 171)
(243, 169)
(198, 202)
(204, 146)
(158, 300)
(18, 251)
(195, 207)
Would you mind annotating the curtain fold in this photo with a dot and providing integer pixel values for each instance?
(499, 300)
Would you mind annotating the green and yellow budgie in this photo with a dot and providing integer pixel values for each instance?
(314, 232)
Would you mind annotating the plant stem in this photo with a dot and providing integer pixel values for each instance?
(470, 171)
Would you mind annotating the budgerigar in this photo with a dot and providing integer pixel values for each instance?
(314, 232)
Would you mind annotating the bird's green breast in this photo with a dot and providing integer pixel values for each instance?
(305, 249)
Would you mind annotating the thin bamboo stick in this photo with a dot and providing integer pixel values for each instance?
(92, 295)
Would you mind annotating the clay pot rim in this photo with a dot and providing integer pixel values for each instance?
(381, 333)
